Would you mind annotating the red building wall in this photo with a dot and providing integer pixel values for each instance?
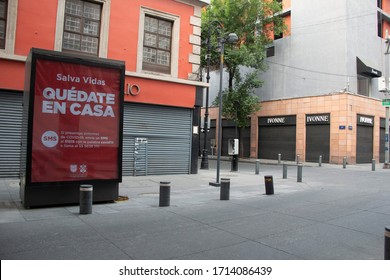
(36, 27)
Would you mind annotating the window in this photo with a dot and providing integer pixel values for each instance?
(270, 51)
(3, 22)
(364, 85)
(157, 45)
(82, 27)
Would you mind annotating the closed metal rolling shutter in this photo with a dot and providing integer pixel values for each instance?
(317, 143)
(364, 139)
(128, 156)
(277, 135)
(364, 147)
(274, 140)
(168, 131)
(11, 107)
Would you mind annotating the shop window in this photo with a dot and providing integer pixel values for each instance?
(82, 27)
(364, 85)
(3, 22)
(157, 45)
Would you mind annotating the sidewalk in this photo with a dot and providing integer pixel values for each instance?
(334, 213)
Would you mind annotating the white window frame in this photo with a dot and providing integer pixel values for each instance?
(12, 15)
(175, 40)
(104, 28)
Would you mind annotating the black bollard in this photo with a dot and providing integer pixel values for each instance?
(284, 171)
(344, 162)
(257, 170)
(165, 194)
(387, 243)
(225, 189)
(269, 184)
(373, 165)
(299, 173)
(234, 164)
(86, 198)
(298, 159)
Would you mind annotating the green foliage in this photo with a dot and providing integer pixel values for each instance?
(241, 100)
(252, 21)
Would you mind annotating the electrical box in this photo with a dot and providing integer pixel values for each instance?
(233, 147)
(382, 84)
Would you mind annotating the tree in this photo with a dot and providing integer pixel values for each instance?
(254, 22)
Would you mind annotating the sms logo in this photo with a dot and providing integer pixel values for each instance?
(49, 139)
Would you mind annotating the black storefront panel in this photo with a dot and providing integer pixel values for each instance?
(382, 133)
(317, 137)
(277, 135)
(364, 139)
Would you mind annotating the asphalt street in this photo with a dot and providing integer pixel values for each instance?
(333, 214)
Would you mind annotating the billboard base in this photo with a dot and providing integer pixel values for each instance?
(67, 194)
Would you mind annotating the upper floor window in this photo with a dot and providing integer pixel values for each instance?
(157, 45)
(3, 22)
(82, 27)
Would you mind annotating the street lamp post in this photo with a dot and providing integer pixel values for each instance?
(386, 164)
(205, 153)
(231, 38)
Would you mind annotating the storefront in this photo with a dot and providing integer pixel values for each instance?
(317, 137)
(364, 138)
(157, 140)
(277, 135)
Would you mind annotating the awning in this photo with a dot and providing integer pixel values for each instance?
(367, 71)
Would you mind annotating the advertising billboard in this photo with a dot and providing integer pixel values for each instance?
(75, 118)
(75, 124)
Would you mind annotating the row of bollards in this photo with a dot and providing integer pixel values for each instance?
(299, 170)
(298, 160)
(373, 163)
(345, 162)
(165, 190)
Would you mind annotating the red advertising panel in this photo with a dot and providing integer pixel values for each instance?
(75, 135)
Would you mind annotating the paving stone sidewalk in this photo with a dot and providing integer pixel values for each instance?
(334, 214)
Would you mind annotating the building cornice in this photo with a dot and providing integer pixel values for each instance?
(200, 3)
(166, 79)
